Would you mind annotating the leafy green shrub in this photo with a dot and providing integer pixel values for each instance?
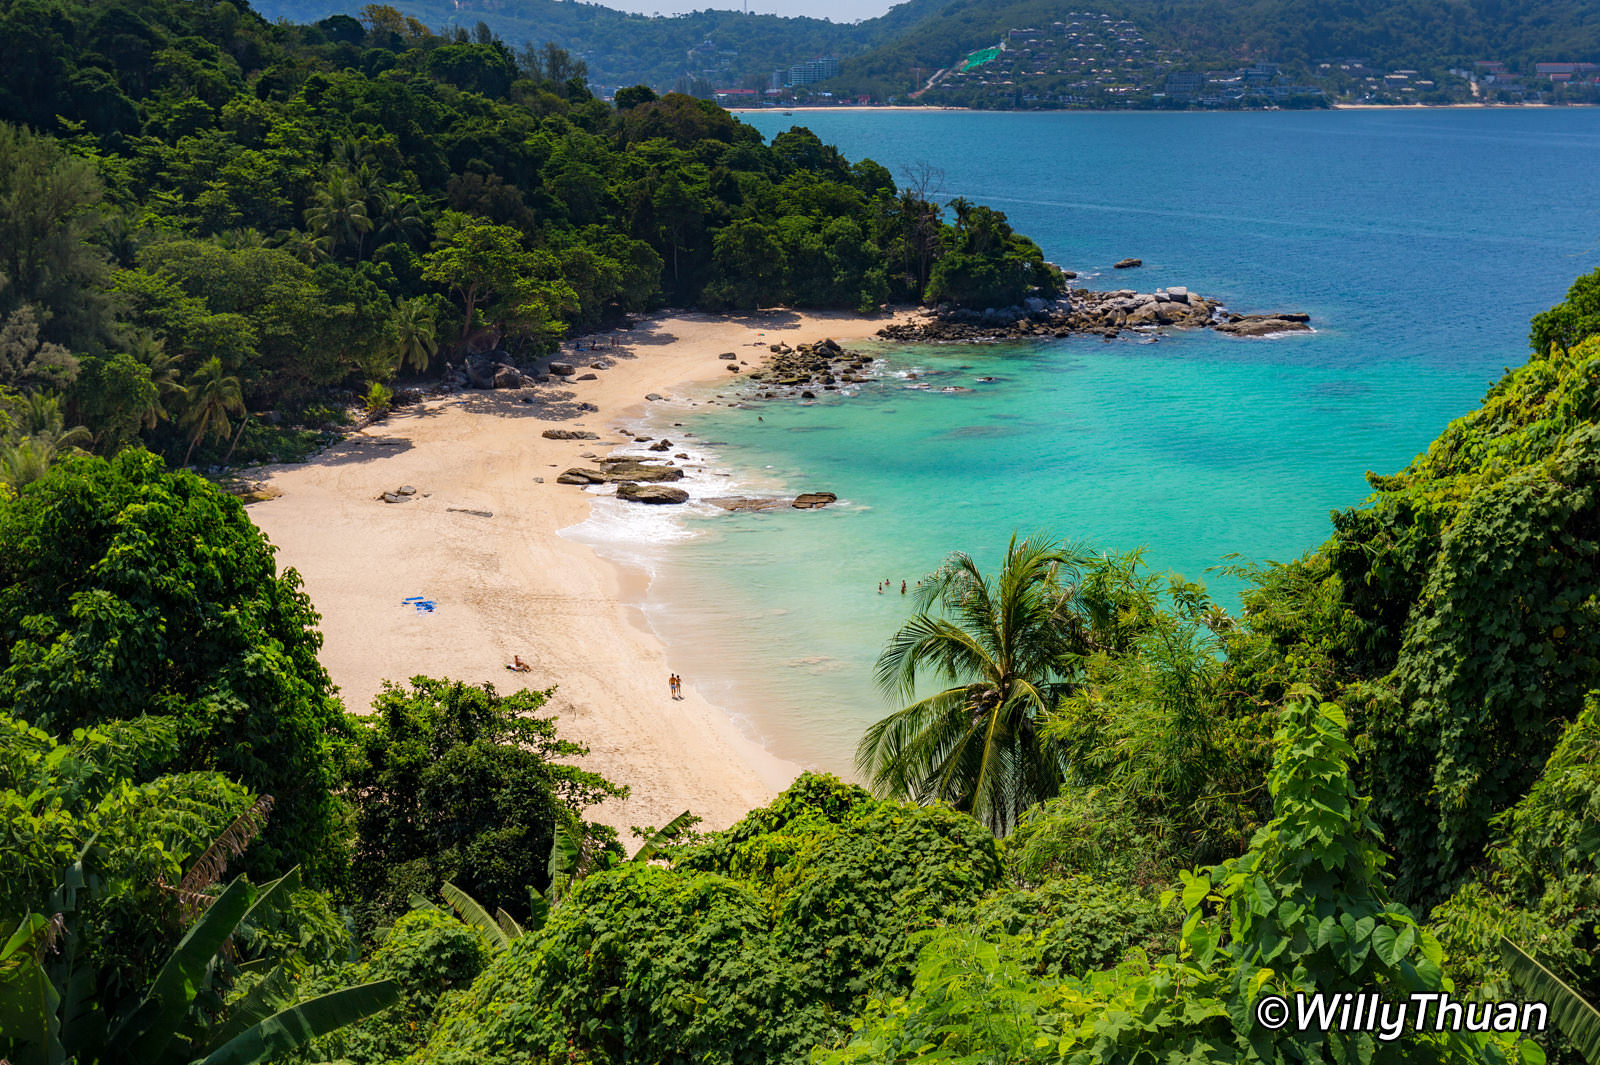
(1304, 910)
(1503, 645)
(430, 956)
(753, 947)
(1541, 889)
(639, 964)
(1457, 615)
(128, 590)
(105, 789)
(1075, 925)
(453, 782)
(1089, 832)
(849, 879)
(1570, 322)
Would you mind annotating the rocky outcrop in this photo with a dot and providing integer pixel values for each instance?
(1079, 312)
(1259, 325)
(805, 501)
(1127, 264)
(651, 493)
(622, 468)
(579, 475)
(745, 503)
(569, 434)
(823, 363)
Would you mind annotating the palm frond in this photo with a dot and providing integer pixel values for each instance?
(212, 863)
(1578, 1020)
(475, 915)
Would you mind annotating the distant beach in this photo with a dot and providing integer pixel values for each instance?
(480, 538)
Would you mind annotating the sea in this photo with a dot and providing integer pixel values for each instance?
(1419, 241)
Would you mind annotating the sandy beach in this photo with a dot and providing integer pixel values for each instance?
(480, 539)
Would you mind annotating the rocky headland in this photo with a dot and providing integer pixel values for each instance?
(1081, 311)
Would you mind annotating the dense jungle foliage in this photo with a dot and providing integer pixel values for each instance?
(1134, 816)
(209, 223)
(1110, 818)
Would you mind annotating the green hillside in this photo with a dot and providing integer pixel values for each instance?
(625, 49)
(894, 54)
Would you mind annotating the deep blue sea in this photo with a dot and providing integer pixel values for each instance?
(1420, 241)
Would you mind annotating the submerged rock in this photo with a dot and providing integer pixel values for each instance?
(748, 503)
(651, 493)
(813, 500)
(630, 469)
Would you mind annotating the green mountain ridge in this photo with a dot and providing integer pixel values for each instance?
(894, 53)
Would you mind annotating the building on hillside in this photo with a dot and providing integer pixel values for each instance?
(813, 70)
(1563, 71)
(1185, 85)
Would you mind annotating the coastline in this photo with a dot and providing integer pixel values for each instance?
(1152, 111)
(482, 539)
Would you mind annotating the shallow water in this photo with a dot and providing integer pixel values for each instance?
(1420, 242)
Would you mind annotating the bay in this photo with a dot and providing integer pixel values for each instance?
(1420, 241)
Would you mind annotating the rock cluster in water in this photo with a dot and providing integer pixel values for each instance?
(617, 469)
(823, 364)
(1083, 311)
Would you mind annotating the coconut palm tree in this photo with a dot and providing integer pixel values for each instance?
(152, 354)
(338, 213)
(1002, 651)
(397, 217)
(415, 339)
(23, 461)
(212, 396)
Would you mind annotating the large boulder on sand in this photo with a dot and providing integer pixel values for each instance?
(507, 377)
(563, 369)
(569, 434)
(651, 493)
(579, 475)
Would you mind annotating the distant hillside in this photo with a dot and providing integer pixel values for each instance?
(626, 49)
(895, 54)
(1385, 33)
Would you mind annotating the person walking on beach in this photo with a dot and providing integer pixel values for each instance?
(672, 685)
(677, 686)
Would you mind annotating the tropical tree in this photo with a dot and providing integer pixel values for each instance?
(41, 438)
(151, 353)
(212, 396)
(415, 338)
(1003, 655)
(338, 213)
(397, 218)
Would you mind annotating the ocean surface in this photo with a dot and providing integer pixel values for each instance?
(1420, 242)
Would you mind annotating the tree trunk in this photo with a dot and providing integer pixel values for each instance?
(244, 417)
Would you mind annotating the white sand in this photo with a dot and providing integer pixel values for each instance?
(508, 584)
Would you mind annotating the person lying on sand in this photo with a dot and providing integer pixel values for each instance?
(518, 665)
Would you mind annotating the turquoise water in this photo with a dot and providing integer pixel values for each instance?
(1421, 242)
